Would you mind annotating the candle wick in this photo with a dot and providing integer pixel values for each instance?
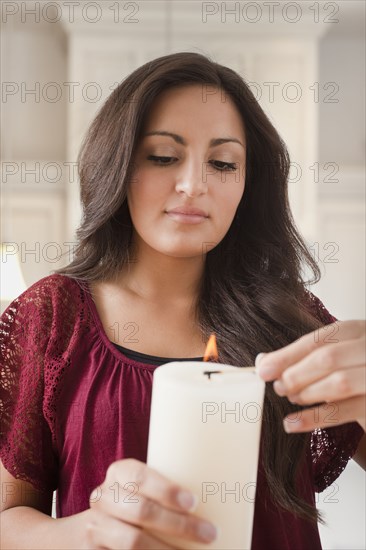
(209, 372)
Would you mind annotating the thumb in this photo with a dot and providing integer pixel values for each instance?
(258, 358)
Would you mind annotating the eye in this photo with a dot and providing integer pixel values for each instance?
(160, 160)
(224, 166)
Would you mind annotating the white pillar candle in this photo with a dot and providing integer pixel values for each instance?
(204, 434)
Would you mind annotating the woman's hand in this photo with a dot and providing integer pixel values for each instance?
(134, 497)
(326, 367)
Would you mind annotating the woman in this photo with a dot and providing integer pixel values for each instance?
(186, 230)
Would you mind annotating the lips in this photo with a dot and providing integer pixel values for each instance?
(188, 211)
(187, 215)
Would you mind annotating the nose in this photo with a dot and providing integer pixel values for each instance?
(191, 179)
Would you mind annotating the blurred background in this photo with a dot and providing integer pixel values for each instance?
(305, 62)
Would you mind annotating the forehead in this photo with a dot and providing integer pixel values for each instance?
(203, 108)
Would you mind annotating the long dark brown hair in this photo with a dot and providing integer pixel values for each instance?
(252, 294)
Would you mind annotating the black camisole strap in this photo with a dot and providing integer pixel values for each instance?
(152, 359)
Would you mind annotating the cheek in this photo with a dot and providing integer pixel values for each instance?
(145, 191)
(227, 201)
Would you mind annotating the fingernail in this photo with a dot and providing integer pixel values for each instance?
(287, 427)
(292, 423)
(258, 358)
(186, 500)
(207, 531)
(279, 387)
(293, 399)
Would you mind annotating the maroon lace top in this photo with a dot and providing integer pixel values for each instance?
(71, 404)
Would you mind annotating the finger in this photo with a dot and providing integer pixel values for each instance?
(327, 415)
(144, 512)
(110, 533)
(152, 484)
(320, 363)
(339, 385)
(272, 364)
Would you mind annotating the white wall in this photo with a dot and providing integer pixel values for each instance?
(341, 241)
(342, 60)
(33, 144)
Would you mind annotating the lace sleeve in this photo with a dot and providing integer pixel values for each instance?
(331, 448)
(25, 437)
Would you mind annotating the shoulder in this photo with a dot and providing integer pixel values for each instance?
(52, 286)
(317, 309)
(47, 304)
(50, 291)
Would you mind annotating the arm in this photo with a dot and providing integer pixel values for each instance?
(26, 522)
(23, 527)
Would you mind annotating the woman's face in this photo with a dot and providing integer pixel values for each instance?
(197, 167)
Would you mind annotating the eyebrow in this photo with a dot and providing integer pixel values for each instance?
(213, 142)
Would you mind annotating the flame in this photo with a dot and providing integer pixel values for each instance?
(211, 349)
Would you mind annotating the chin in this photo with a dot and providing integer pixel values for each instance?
(183, 251)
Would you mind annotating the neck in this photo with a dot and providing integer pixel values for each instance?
(166, 279)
